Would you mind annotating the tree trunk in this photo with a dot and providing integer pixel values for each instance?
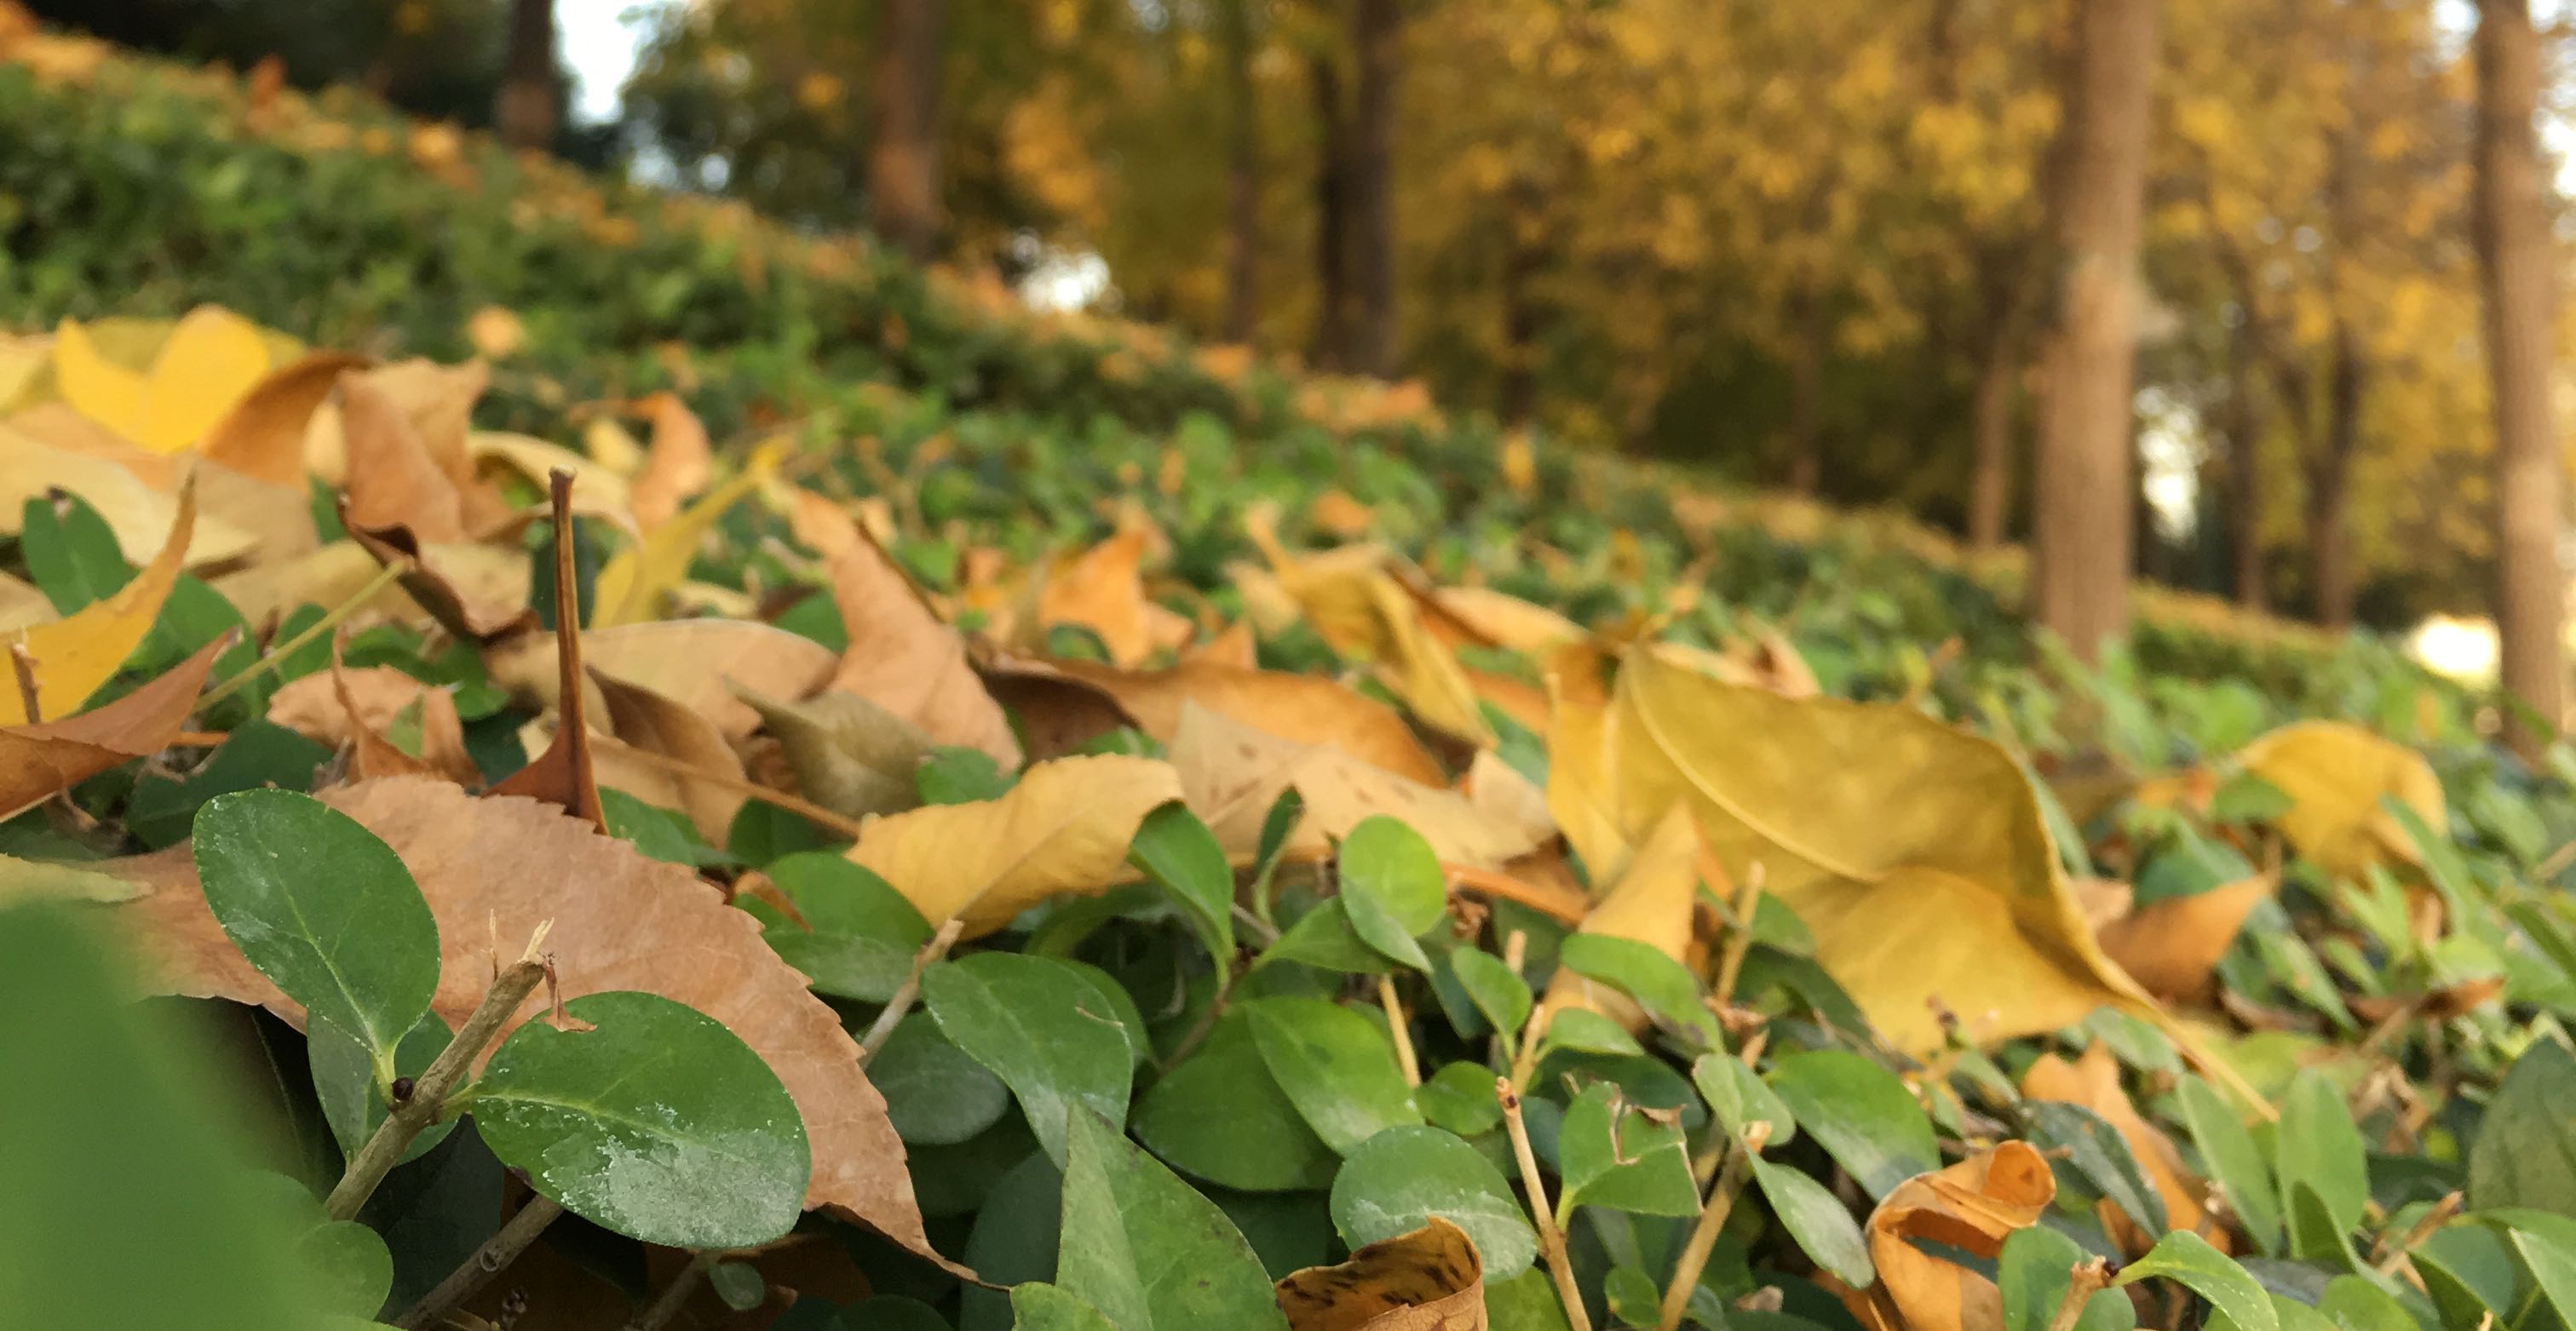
(528, 107)
(1374, 34)
(1807, 396)
(2515, 256)
(2081, 537)
(903, 156)
(1331, 350)
(1991, 429)
(2244, 429)
(2330, 483)
(1243, 177)
(1523, 252)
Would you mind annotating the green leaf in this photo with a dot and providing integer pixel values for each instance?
(71, 553)
(2034, 1272)
(956, 775)
(2355, 1304)
(325, 910)
(859, 936)
(2097, 1151)
(1039, 1306)
(349, 1265)
(2524, 1153)
(740, 1286)
(2187, 1258)
(1460, 1097)
(353, 1101)
(2553, 1268)
(1661, 985)
(1812, 1215)
(657, 1123)
(1739, 1099)
(662, 834)
(1178, 852)
(1527, 1302)
(256, 754)
(1219, 1116)
(1589, 1032)
(935, 1095)
(1612, 1156)
(1392, 887)
(1043, 1029)
(2469, 1273)
(1145, 1249)
(2234, 1161)
(1861, 1113)
(1337, 1065)
(1404, 1176)
(1496, 989)
(1631, 1295)
(1325, 937)
(2321, 1147)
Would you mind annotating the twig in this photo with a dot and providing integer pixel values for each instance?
(430, 1090)
(2084, 1280)
(1551, 1240)
(805, 809)
(278, 652)
(1397, 1026)
(2438, 1216)
(674, 1295)
(476, 1271)
(24, 666)
(883, 1028)
(1525, 1060)
(1730, 963)
(1262, 931)
(1712, 1218)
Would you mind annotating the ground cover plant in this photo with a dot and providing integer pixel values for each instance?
(623, 836)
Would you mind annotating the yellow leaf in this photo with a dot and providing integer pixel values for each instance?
(213, 358)
(1232, 773)
(1359, 608)
(97, 387)
(2093, 1081)
(1914, 851)
(1651, 903)
(1431, 1279)
(1972, 1206)
(2335, 774)
(138, 515)
(1063, 828)
(76, 654)
(631, 585)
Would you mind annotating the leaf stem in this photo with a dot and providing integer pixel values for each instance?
(882, 1029)
(428, 1101)
(1748, 899)
(674, 1295)
(278, 652)
(1400, 1027)
(477, 1270)
(1712, 1218)
(2083, 1281)
(1551, 1240)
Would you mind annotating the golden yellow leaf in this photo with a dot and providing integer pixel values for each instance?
(76, 654)
(1309, 708)
(1367, 615)
(1651, 903)
(1973, 1206)
(212, 358)
(1429, 1280)
(631, 586)
(2172, 946)
(1232, 773)
(903, 657)
(2335, 774)
(1914, 851)
(1063, 829)
(1103, 589)
(677, 464)
(1504, 620)
(137, 513)
(2093, 1081)
(596, 490)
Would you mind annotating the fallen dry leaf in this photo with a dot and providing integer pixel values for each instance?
(1103, 589)
(677, 464)
(328, 575)
(904, 658)
(357, 708)
(849, 755)
(262, 437)
(477, 592)
(1310, 708)
(1972, 1206)
(1499, 619)
(76, 654)
(391, 479)
(1652, 902)
(2335, 774)
(2173, 946)
(2093, 1081)
(493, 869)
(1368, 615)
(1232, 773)
(211, 359)
(37, 760)
(137, 513)
(1063, 829)
(631, 585)
(1429, 1280)
(596, 492)
(642, 719)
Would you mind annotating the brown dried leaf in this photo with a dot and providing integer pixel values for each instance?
(357, 707)
(1972, 1206)
(1103, 589)
(646, 720)
(1306, 707)
(2173, 946)
(262, 437)
(904, 658)
(694, 662)
(37, 760)
(1429, 1280)
(495, 868)
(1230, 773)
(2093, 1081)
(677, 464)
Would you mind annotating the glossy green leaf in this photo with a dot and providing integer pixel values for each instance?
(1610, 1155)
(1390, 864)
(1665, 988)
(2355, 1304)
(1325, 937)
(1587, 1031)
(71, 553)
(353, 1101)
(1040, 1026)
(1862, 1114)
(2524, 1153)
(1178, 852)
(349, 1265)
(1337, 1065)
(1219, 1116)
(859, 935)
(2187, 1258)
(2033, 1273)
(1738, 1099)
(2552, 1265)
(2235, 1163)
(657, 1123)
(1038, 1306)
(1824, 1230)
(1496, 989)
(1460, 1098)
(325, 910)
(1148, 1251)
(2095, 1150)
(2320, 1146)
(935, 1095)
(1394, 1184)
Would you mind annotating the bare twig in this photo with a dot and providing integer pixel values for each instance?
(1551, 1240)
(882, 1029)
(2084, 1280)
(1398, 1026)
(674, 1295)
(495, 1256)
(430, 1091)
(1730, 963)
(278, 652)
(2395, 1258)
(1712, 1218)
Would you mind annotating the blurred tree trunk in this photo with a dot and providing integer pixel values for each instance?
(2515, 256)
(2081, 535)
(1807, 394)
(1243, 177)
(1524, 251)
(528, 108)
(2007, 310)
(2243, 427)
(2330, 482)
(903, 155)
(1374, 41)
(1332, 207)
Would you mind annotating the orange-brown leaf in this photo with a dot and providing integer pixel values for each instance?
(37, 760)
